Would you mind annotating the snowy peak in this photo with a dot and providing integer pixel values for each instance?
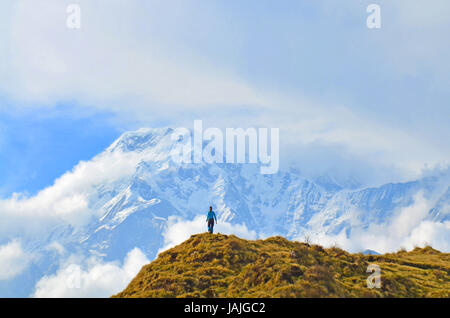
(141, 139)
(138, 197)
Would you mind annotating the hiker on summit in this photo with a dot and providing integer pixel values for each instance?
(210, 220)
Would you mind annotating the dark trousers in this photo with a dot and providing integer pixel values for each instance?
(210, 225)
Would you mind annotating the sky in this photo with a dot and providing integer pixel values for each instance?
(370, 105)
(367, 103)
(38, 147)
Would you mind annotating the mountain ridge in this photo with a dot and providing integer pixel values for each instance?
(216, 265)
(286, 204)
(132, 191)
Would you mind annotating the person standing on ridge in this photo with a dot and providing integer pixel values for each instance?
(210, 220)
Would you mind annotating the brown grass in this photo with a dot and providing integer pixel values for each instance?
(219, 265)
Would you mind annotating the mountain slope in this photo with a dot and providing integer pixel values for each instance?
(129, 195)
(285, 203)
(226, 266)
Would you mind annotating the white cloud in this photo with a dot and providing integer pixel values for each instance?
(408, 217)
(408, 228)
(435, 234)
(57, 247)
(381, 239)
(67, 200)
(178, 230)
(13, 260)
(112, 65)
(91, 277)
(52, 62)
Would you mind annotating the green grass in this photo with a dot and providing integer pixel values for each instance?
(219, 265)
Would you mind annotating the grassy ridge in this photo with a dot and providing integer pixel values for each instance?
(226, 266)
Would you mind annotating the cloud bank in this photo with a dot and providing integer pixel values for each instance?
(136, 72)
(91, 277)
(13, 260)
(178, 230)
(410, 227)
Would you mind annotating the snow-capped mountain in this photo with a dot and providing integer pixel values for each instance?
(134, 210)
(132, 206)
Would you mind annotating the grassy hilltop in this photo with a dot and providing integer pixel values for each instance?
(226, 266)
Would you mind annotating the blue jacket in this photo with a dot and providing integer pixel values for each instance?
(211, 215)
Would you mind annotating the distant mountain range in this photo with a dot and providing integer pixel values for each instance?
(133, 209)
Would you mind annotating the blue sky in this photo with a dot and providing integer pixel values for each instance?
(367, 102)
(39, 147)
